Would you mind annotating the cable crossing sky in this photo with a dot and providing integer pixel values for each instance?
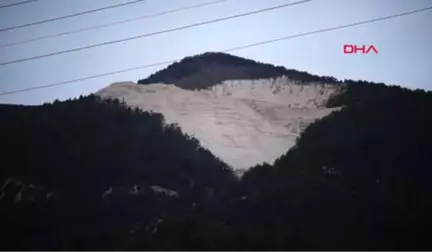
(298, 35)
(153, 33)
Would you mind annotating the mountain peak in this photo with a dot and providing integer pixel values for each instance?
(219, 58)
(211, 68)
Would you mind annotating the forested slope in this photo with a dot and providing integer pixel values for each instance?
(357, 179)
(83, 174)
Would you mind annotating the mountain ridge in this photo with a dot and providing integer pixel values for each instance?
(207, 69)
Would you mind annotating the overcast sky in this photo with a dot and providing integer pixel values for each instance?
(404, 44)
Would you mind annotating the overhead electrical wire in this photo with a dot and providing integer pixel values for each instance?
(69, 16)
(153, 33)
(189, 7)
(18, 3)
(298, 35)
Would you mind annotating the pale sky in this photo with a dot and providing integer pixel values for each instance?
(405, 54)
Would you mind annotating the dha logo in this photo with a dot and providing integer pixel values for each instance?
(353, 49)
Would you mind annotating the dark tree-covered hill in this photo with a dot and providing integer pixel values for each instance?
(207, 69)
(357, 179)
(92, 174)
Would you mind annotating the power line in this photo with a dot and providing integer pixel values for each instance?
(224, 51)
(153, 33)
(113, 23)
(69, 16)
(332, 28)
(15, 4)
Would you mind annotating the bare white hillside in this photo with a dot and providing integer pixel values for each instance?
(243, 122)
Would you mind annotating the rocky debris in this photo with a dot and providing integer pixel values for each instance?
(20, 192)
(164, 191)
(137, 190)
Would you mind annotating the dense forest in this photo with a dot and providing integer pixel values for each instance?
(87, 174)
(357, 179)
(207, 69)
(79, 149)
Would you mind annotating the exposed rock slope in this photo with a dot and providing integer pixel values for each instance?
(243, 122)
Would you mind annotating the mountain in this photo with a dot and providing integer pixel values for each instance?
(101, 174)
(245, 112)
(211, 68)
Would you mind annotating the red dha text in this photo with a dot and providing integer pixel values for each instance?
(353, 49)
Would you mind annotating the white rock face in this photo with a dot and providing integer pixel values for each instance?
(243, 122)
